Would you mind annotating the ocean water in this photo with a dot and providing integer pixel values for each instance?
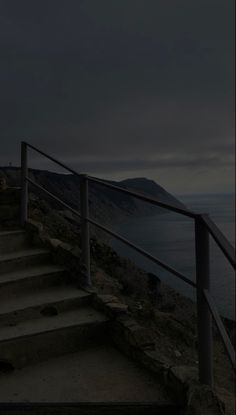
(170, 237)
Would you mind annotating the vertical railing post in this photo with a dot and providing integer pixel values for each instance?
(85, 234)
(205, 347)
(24, 184)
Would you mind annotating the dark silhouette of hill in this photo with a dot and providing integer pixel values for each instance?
(106, 204)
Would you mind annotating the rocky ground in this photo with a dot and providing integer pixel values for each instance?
(171, 316)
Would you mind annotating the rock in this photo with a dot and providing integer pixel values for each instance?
(55, 243)
(228, 399)
(171, 326)
(179, 378)
(177, 353)
(154, 288)
(3, 183)
(111, 305)
(157, 360)
(202, 400)
(107, 298)
(138, 306)
(117, 308)
(184, 374)
(141, 337)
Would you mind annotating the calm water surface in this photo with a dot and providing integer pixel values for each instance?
(170, 237)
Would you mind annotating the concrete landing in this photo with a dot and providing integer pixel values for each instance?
(87, 408)
(97, 374)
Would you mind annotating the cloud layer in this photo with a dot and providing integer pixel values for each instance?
(122, 87)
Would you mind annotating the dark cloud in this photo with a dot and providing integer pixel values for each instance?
(135, 86)
(167, 162)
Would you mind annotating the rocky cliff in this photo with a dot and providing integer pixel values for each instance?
(105, 204)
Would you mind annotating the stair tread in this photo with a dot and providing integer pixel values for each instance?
(33, 271)
(41, 297)
(14, 232)
(23, 253)
(67, 319)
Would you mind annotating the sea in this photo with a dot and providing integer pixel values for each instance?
(170, 237)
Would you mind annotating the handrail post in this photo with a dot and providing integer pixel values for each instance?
(205, 346)
(24, 184)
(85, 232)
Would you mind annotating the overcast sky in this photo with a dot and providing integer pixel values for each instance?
(122, 88)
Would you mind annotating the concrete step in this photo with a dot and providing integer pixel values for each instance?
(11, 241)
(9, 222)
(23, 259)
(8, 212)
(40, 339)
(12, 224)
(10, 196)
(46, 301)
(10, 208)
(88, 408)
(31, 279)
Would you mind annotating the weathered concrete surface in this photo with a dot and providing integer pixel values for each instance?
(9, 208)
(36, 340)
(35, 303)
(88, 408)
(97, 374)
(136, 341)
(34, 278)
(10, 241)
(23, 259)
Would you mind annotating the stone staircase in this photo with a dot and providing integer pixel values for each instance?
(54, 345)
(10, 208)
(42, 313)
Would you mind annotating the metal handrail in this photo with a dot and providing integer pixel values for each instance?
(57, 199)
(223, 243)
(51, 158)
(137, 195)
(144, 198)
(115, 235)
(217, 235)
(224, 335)
(203, 227)
(143, 252)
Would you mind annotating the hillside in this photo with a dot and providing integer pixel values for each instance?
(166, 320)
(105, 204)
